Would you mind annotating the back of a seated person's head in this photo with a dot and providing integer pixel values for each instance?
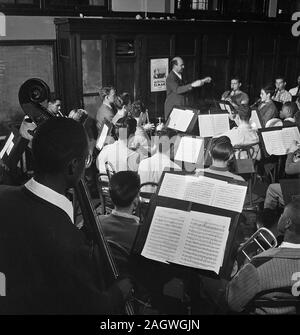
(290, 219)
(289, 109)
(56, 142)
(221, 149)
(125, 127)
(244, 113)
(136, 108)
(124, 188)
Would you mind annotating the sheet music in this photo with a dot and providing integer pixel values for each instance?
(165, 234)
(192, 239)
(273, 142)
(228, 108)
(277, 142)
(255, 120)
(204, 190)
(221, 123)
(230, 196)
(173, 185)
(8, 145)
(289, 135)
(180, 119)
(213, 124)
(189, 149)
(206, 125)
(101, 139)
(205, 239)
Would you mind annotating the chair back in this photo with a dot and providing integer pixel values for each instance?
(275, 122)
(274, 301)
(106, 205)
(110, 170)
(249, 151)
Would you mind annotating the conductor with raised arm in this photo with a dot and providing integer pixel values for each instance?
(176, 88)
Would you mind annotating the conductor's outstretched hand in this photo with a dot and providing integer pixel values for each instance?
(201, 82)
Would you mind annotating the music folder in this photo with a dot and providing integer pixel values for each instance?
(277, 140)
(182, 119)
(227, 106)
(192, 222)
(189, 152)
(211, 125)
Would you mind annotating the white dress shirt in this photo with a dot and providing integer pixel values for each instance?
(151, 169)
(121, 158)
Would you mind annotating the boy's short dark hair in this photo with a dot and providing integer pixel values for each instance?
(126, 122)
(137, 108)
(244, 112)
(221, 149)
(124, 187)
(292, 106)
(56, 142)
(269, 89)
(53, 97)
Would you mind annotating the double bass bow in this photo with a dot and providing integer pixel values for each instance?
(31, 94)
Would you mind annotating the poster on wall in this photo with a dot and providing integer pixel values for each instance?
(159, 69)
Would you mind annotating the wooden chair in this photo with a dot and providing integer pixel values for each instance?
(145, 198)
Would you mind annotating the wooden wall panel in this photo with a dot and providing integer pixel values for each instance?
(254, 51)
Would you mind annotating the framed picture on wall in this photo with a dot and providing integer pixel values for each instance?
(159, 69)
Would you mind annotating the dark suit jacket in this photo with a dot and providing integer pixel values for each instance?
(175, 92)
(104, 112)
(49, 265)
(267, 112)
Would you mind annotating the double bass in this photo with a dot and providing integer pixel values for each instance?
(31, 94)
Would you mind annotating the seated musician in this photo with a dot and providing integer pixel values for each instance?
(288, 112)
(221, 153)
(141, 141)
(267, 108)
(121, 103)
(271, 273)
(295, 93)
(54, 105)
(106, 110)
(274, 197)
(281, 94)
(151, 169)
(236, 97)
(118, 153)
(121, 225)
(243, 134)
(49, 264)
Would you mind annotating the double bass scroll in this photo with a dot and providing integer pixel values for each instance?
(31, 94)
